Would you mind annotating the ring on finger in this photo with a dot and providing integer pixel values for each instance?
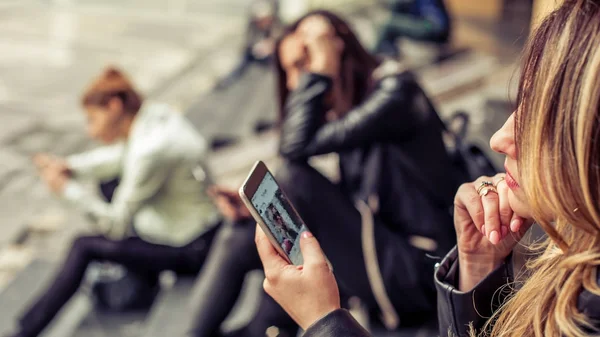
(483, 185)
(499, 180)
(485, 190)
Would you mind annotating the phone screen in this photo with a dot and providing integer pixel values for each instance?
(279, 215)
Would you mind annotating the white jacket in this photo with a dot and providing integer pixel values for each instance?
(158, 193)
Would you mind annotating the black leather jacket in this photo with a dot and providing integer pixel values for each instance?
(397, 126)
(456, 310)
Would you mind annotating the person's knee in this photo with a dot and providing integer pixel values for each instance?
(82, 246)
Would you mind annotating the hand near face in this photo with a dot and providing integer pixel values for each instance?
(308, 292)
(487, 229)
(229, 203)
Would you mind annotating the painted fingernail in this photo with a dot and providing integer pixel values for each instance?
(515, 224)
(494, 237)
(504, 231)
(307, 235)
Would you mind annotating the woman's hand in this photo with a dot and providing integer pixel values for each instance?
(308, 292)
(55, 177)
(324, 47)
(53, 170)
(487, 229)
(229, 203)
(44, 161)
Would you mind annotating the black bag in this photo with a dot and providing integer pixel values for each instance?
(125, 290)
(468, 157)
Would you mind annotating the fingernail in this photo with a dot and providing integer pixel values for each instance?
(307, 235)
(504, 231)
(494, 237)
(515, 224)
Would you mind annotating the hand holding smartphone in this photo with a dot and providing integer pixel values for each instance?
(273, 212)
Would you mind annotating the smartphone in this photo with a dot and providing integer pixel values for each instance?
(273, 212)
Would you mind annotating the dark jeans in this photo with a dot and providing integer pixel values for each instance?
(219, 284)
(333, 219)
(331, 216)
(133, 253)
(139, 256)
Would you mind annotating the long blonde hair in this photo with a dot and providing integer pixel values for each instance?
(558, 141)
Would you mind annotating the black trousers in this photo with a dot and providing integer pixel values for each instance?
(133, 253)
(142, 257)
(232, 256)
(331, 216)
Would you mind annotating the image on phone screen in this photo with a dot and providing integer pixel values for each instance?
(279, 215)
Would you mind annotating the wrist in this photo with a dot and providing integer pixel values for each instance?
(319, 316)
(473, 269)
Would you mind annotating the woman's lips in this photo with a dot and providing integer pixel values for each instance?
(510, 181)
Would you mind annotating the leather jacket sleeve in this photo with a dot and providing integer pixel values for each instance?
(337, 324)
(457, 310)
(386, 114)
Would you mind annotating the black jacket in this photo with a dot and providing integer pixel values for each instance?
(456, 310)
(390, 145)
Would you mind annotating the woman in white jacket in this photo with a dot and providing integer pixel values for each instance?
(160, 216)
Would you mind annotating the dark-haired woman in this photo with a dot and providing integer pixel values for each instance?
(391, 207)
(160, 216)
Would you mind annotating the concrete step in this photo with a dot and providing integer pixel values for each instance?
(234, 111)
(105, 323)
(21, 291)
(457, 76)
(171, 315)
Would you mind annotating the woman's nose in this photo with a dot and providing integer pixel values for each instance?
(503, 141)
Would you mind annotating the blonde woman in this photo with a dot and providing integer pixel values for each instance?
(552, 149)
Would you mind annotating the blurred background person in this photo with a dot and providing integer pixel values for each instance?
(260, 37)
(422, 20)
(160, 217)
(335, 97)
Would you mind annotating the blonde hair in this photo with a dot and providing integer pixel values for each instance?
(558, 141)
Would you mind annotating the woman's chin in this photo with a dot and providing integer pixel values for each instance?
(519, 206)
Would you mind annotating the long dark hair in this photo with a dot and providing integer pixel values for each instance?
(363, 62)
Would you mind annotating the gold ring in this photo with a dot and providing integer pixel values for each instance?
(483, 185)
(499, 180)
(487, 190)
